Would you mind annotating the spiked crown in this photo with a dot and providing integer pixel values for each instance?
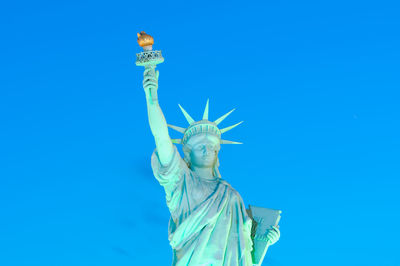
(203, 126)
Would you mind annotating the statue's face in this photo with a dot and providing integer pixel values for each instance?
(204, 150)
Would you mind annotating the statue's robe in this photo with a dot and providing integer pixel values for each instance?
(209, 224)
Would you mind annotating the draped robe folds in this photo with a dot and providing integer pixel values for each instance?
(209, 224)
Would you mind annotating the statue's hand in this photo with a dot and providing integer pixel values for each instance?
(273, 235)
(150, 83)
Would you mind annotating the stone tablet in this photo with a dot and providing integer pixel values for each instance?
(263, 219)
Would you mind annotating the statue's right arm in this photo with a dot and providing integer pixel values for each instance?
(158, 124)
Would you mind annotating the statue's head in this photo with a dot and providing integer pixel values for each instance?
(201, 140)
(202, 150)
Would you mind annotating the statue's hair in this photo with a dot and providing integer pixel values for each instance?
(187, 148)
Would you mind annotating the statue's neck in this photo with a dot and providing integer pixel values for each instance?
(204, 173)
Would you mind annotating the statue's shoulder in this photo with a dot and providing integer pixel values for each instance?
(229, 187)
(224, 183)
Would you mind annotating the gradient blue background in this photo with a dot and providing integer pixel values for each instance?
(316, 82)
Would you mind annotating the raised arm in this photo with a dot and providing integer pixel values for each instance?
(157, 122)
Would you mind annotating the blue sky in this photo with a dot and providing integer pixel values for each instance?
(316, 82)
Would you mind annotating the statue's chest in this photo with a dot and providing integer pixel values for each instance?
(201, 191)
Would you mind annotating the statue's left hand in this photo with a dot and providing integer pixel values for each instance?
(273, 235)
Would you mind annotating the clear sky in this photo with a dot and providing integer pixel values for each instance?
(316, 82)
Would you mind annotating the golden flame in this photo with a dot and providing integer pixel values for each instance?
(144, 39)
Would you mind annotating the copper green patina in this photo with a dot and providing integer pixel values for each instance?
(209, 223)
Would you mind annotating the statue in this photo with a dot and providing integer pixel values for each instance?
(209, 223)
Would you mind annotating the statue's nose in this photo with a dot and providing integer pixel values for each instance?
(207, 151)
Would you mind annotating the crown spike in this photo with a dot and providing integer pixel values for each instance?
(229, 128)
(219, 120)
(187, 116)
(205, 114)
(179, 129)
(224, 141)
(176, 141)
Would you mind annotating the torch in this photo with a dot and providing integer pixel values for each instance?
(148, 58)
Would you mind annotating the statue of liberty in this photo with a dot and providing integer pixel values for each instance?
(209, 224)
